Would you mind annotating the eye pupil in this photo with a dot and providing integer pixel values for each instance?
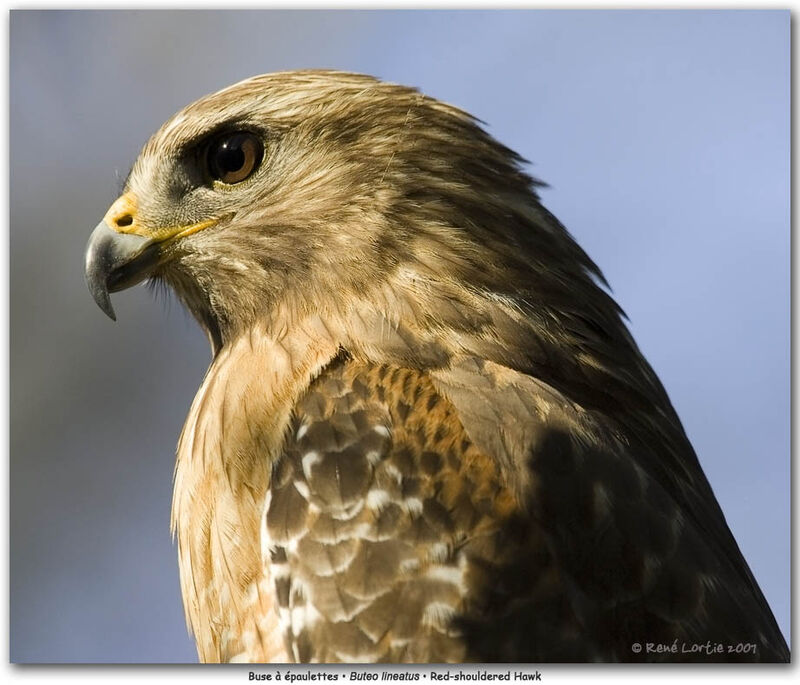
(233, 157)
(230, 159)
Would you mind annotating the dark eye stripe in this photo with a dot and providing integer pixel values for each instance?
(233, 157)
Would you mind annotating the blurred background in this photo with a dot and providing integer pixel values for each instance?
(664, 137)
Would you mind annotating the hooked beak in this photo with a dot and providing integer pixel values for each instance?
(115, 261)
(122, 252)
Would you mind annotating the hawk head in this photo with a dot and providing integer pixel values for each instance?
(307, 191)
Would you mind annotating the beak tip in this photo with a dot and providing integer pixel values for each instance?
(99, 291)
(108, 310)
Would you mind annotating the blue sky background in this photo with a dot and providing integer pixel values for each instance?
(664, 136)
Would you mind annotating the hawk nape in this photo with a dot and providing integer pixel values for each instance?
(426, 433)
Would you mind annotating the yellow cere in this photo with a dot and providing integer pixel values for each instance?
(122, 218)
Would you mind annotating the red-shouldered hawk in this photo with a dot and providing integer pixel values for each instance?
(426, 433)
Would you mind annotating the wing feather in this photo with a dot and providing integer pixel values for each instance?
(643, 556)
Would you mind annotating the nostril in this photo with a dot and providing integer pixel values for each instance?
(124, 220)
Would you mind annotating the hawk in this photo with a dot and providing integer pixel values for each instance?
(426, 433)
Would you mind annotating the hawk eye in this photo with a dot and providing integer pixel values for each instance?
(231, 158)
